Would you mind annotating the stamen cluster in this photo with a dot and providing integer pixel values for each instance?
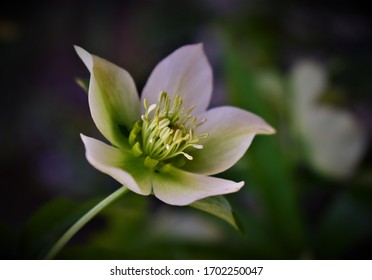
(165, 131)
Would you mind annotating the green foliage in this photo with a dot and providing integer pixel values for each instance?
(283, 215)
(269, 172)
(220, 207)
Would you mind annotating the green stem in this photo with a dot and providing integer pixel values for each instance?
(83, 220)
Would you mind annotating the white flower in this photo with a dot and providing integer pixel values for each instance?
(167, 144)
(334, 139)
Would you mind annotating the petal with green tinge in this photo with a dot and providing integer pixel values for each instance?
(230, 133)
(178, 187)
(113, 98)
(119, 164)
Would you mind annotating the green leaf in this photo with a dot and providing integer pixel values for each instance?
(220, 207)
(83, 83)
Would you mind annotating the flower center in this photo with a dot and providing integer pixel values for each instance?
(165, 132)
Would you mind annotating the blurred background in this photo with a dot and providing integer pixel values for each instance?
(304, 67)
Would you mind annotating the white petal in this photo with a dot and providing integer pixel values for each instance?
(186, 71)
(119, 164)
(230, 133)
(85, 57)
(336, 140)
(178, 187)
(113, 97)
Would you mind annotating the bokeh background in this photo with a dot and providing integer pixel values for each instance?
(303, 66)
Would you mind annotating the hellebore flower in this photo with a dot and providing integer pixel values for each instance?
(168, 143)
(333, 138)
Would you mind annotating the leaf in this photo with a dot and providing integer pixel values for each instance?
(83, 83)
(220, 207)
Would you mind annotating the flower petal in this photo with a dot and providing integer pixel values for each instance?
(113, 161)
(178, 187)
(186, 71)
(230, 133)
(113, 97)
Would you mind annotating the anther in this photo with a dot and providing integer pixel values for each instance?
(151, 108)
(187, 156)
(163, 123)
(197, 146)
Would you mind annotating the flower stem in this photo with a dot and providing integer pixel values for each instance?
(83, 220)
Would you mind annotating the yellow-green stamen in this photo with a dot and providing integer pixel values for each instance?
(165, 131)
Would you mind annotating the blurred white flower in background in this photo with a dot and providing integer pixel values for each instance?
(333, 139)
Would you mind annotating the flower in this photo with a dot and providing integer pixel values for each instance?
(169, 145)
(333, 139)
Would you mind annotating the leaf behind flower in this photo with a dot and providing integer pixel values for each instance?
(221, 208)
